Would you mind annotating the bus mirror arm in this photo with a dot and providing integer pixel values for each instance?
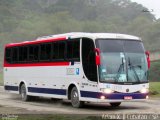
(148, 58)
(97, 51)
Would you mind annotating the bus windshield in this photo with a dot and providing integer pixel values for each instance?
(122, 61)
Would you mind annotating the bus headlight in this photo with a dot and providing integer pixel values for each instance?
(144, 90)
(105, 90)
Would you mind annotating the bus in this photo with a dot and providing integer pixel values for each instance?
(80, 67)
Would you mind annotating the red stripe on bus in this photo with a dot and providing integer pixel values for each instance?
(37, 64)
(35, 42)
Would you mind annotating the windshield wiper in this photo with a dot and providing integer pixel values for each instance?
(119, 71)
(133, 68)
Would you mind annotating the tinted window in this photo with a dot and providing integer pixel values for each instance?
(45, 54)
(61, 50)
(15, 55)
(58, 51)
(110, 45)
(23, 54)
(73, 50)
(8, 56)
(133, 47)
(55, 51)
(33, 53)
(88, 59)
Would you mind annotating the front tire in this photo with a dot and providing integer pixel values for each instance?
(75, 98)
(23, 93)
(116, 104)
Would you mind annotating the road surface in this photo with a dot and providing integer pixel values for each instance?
(12, 104)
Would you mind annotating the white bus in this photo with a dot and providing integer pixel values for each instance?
(81, 67)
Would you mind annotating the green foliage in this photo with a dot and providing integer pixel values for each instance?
(154, 72)
(154, 89)
(28, 19)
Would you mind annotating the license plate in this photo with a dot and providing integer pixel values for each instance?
(128, 97)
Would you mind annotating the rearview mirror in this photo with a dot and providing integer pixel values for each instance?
(97, 56)
(148, 58)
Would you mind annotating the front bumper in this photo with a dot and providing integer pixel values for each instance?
(121, 97)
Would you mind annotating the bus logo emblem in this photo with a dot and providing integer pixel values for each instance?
(127, 90)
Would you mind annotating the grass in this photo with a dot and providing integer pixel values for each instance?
(154, 89)
(154, 78)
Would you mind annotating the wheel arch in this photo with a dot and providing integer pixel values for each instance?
(20, 84)
(71, 85)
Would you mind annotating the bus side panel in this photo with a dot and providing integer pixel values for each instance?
(47, 81)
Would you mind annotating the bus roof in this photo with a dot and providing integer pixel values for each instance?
(76, 35)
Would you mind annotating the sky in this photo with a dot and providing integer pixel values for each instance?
(151, 4)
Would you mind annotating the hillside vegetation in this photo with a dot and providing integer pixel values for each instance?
(154, 72)
(23, 20)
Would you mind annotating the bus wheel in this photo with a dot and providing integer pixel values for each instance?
(116, 104)
(23, 93)
(75, 98)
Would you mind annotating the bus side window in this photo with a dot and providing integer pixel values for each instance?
(69, 50)
(73, 50)
(15, 55)
(88, 59)
(23, 54)
(58, 51)
(45, 52)
(33, 53)
(8, 55)
(55, 51)
(76, 48)
(62, 50)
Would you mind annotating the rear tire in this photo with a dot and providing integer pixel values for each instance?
(116, 104)
(75, 98)
(23, 93)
